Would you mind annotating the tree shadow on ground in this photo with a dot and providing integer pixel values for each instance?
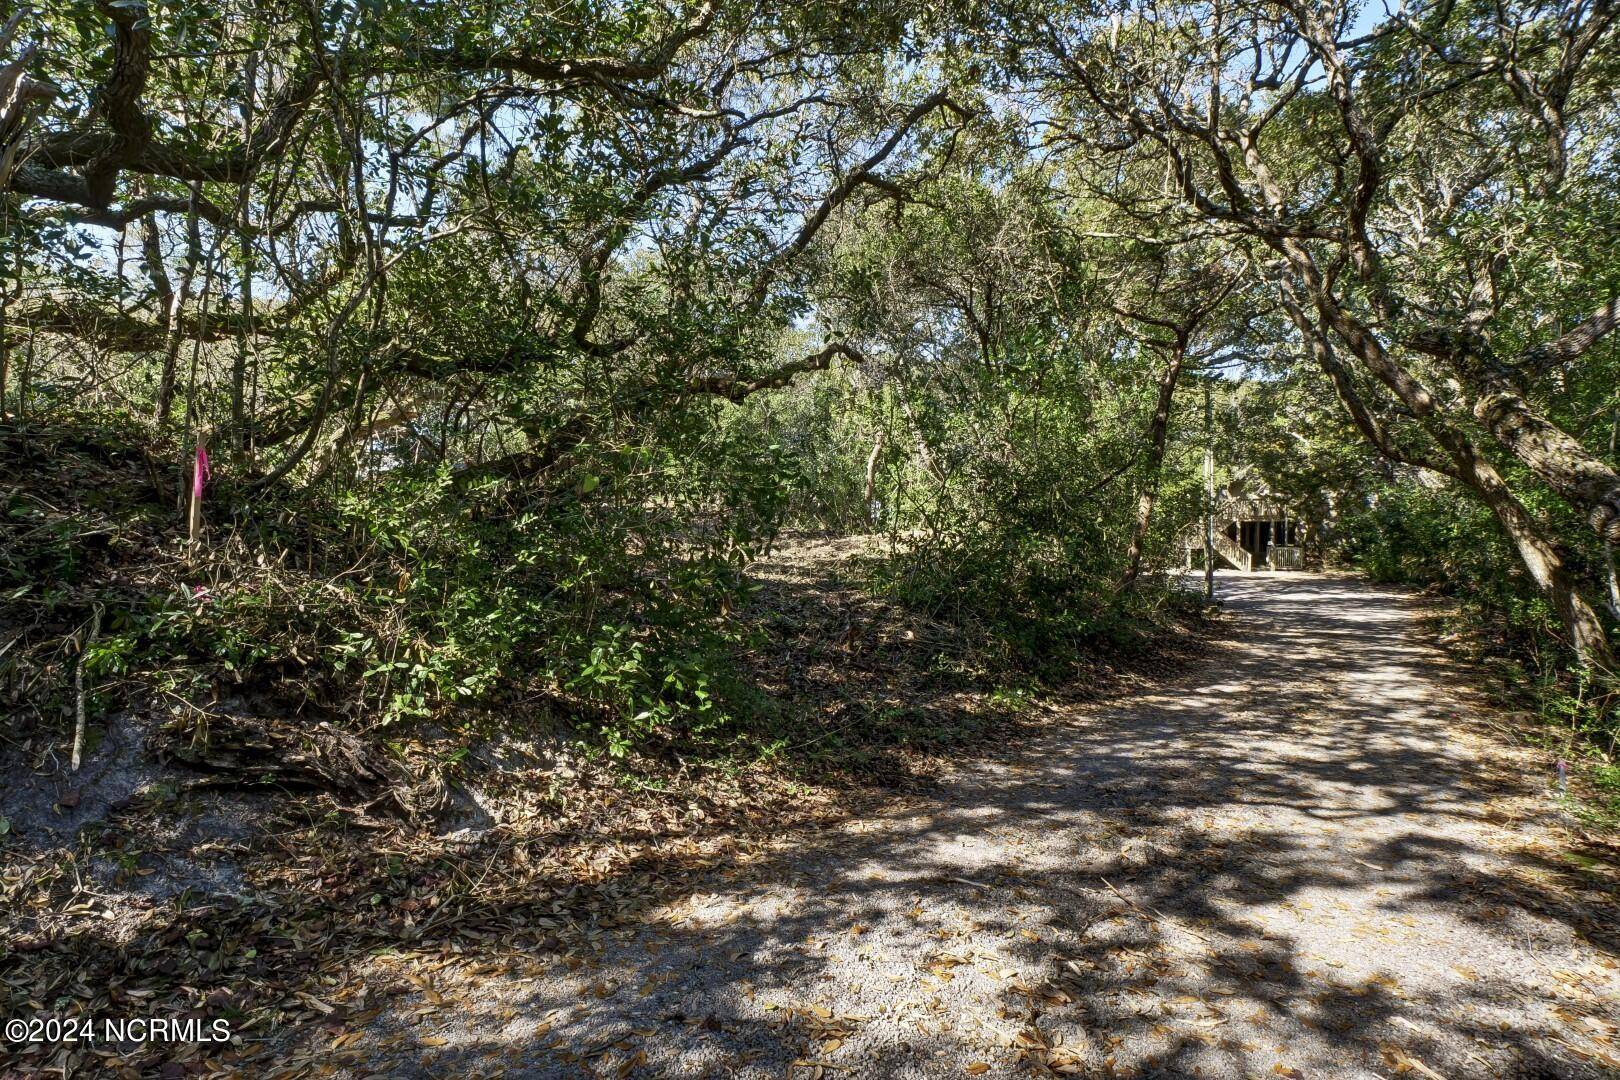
(1287, 861)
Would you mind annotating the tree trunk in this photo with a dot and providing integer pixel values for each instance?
(10, 296)
(1209, 496)
(1158, 436)
(924, 453)
(240, 365)
(1546, 449)
(869, 491)
(1613, 577)
(1585, 630)
(1540, 557)
(175, 299)
(1608, 546)
(5, 350)
(5, 324)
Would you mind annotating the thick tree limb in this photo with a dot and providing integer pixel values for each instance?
(736, 388)
(535, 461)
(81, 166)
(1158, 435)
(1542, 358)
(841, 191)
(1316, 339)
(1500, 405)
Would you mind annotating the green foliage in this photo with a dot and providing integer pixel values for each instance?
(1606, 779)
(517, 331)
(1043, 607)
(399, 600)
(596, 595)
(1422, 534)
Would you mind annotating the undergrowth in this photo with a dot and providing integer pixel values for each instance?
(384, 607)
(400, 608)
(1041, 608)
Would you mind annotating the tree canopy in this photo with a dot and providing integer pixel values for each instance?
(548, 318)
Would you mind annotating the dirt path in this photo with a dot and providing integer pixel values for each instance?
(1289, 862)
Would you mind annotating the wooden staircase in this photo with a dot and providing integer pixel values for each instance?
(1234, 510)
(1227, 549)
(1233, 553)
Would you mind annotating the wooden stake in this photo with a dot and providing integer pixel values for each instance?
(78, 688)
(196, 519)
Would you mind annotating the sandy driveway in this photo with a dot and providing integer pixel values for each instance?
(1289, 862)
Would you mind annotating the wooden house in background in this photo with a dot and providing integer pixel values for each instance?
(1254, 530)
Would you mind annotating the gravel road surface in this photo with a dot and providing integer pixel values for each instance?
(1296, 859)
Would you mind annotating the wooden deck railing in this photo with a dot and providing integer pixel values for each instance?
(1286, 557)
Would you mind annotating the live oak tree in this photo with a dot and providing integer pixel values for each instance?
(1388, 185)
(516, 254)
(645, 183)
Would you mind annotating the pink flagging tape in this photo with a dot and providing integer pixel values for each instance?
(200, 473)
